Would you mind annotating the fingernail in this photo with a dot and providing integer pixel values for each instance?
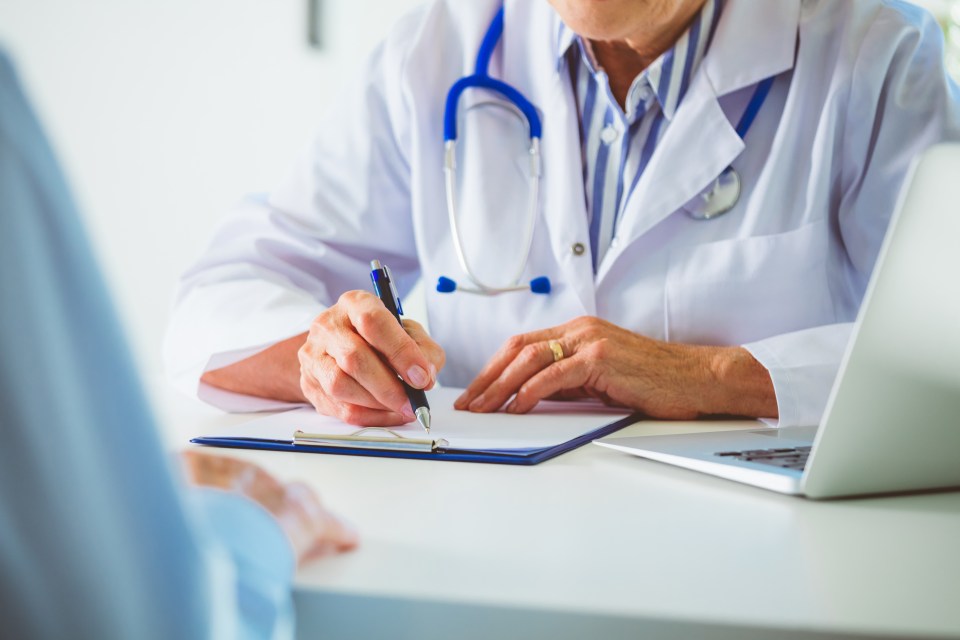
(408, 414)
(512, 407)
(477, 404)
(460, 402)
(417, 376)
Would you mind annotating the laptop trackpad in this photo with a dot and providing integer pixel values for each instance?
(799, 434)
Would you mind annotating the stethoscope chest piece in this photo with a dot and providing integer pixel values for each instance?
(724, 193)
(717, 199)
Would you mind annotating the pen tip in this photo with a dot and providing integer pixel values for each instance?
(423, 417)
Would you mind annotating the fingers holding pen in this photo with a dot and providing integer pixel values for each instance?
(430, 348)
(332, 392)
(351, 358)
(361, 375)
(380, 329)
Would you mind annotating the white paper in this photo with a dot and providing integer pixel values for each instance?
(550, 423)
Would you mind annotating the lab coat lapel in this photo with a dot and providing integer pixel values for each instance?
(697, 146)
(529, 46)
(754, 40)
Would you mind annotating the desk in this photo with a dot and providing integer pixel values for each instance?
(598, 544)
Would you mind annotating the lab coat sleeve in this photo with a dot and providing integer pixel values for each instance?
(900, 102)
(277, 261)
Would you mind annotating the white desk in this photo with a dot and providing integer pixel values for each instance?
(603, 545)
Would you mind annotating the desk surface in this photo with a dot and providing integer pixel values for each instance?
(600, 542)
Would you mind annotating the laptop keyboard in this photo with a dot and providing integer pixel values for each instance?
(785, 458)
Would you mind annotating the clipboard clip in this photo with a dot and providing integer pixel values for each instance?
(360, 439)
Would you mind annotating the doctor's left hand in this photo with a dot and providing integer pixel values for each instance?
(601, 360)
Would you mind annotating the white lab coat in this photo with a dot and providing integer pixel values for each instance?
(860, 89)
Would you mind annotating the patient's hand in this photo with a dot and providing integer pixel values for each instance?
(313, 531)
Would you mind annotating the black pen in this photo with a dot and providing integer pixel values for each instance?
(387, 292)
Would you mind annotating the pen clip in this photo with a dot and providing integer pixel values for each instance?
(393, 289)
(392, 441)
(382, 272)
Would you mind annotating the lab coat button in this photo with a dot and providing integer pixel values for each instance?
(609, 134)
(578, 248)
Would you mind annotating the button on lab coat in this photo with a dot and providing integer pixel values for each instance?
(859, 90)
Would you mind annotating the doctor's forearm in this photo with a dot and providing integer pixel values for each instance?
(272, 373)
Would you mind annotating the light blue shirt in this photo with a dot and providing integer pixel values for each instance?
(98, 539)
(617, 143)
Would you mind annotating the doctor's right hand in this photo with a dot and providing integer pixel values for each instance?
(351, 358)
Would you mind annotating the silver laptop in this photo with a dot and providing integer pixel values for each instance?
(892, 422)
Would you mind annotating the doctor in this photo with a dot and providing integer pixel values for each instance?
(688, 197)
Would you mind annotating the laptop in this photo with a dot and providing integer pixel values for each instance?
(892, 422)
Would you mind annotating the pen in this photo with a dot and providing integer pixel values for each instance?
(387, 292)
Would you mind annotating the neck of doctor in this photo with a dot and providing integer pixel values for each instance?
(624, 59)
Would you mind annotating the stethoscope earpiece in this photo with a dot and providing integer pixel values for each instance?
(446, 285)
(540, 285)
(537, 285)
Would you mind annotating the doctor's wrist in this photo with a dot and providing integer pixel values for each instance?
(273, 373)
(737, 385)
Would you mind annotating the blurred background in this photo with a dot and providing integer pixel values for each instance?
(165, 114)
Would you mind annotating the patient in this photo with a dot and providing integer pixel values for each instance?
(98, 536)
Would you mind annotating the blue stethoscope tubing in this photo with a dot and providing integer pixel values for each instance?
(481, 79)
(714, 201)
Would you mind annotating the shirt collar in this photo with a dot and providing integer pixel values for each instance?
(669, 75)
(565, 39)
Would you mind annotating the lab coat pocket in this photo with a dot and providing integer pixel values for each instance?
(745, 289)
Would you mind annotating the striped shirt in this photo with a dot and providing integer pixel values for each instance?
(617, 143)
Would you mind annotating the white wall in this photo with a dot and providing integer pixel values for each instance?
(164, 113)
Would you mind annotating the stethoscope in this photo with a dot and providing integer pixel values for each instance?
(482, 79)
(718, 198)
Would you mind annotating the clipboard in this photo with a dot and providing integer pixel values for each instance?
(384, 443)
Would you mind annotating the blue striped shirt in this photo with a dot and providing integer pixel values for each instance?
(617, 143)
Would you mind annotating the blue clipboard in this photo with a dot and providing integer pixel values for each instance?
(437, 452)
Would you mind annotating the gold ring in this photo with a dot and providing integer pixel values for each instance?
(557, 350)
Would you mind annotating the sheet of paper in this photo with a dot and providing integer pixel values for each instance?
(550, 423)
